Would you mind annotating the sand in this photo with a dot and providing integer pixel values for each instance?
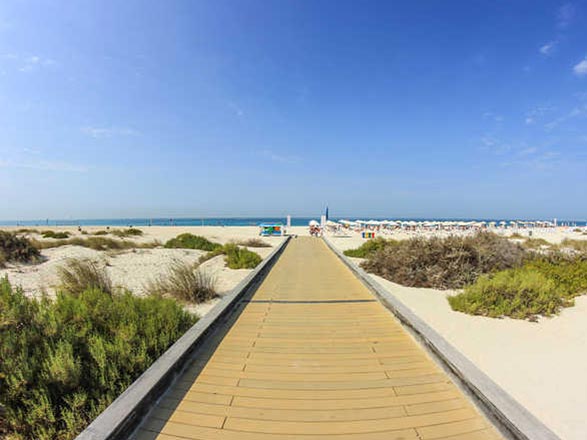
(132, 269)
(542, 365)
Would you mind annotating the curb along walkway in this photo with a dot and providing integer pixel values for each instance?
(313, 355)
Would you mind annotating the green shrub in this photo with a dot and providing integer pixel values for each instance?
(235, 257)
(254, 242)
(212, 254)
(443, 263)
(369, 247)
(569, 273)
(184, 283)
(77, 276)
(17, 249)
(65, 361)
(517, 293)
(130, 232)
(240, 258)
(541, 287)
(190, 241)
(102, 232)
(517, 235)
(55, 235)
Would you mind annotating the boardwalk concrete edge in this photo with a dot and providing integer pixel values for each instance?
(520, 423)
(120, 418)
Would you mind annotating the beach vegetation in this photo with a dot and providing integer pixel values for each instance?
(240, 258)
(444, 263)
(542, 286)
(129, 232)
(185, 283)
(101, 232)
(14, 248)
(235, 257)
(27, 231)
(536, 243)
(96, 243)
(55, 235)
(191, 241)
(575, 245)
(369, 247)
(254, 243)
(517, 235)
(79, 275)
(65, 360)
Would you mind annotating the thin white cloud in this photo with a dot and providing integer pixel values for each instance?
(537, 113)
(565, 15)
(494, 145)
(528, 151)
(236, 108)
(106, 132)
(548, 48)
(580, 69)
(34, 62)
(577, 112)
(44, 165)
(493, 116)
(278, 157)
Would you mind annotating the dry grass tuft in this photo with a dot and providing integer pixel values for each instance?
(17, 249)
(77, 276)
(185, 283)
(254, 242)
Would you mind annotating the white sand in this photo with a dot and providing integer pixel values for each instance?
(133, 269)
(542, 365)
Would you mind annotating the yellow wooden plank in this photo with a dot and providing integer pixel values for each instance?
(346, 427)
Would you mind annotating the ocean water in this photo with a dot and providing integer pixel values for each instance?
(226, 221)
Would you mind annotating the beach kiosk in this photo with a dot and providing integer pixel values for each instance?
(271, 229)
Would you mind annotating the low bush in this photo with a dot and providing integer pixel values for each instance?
(254, 242)
(17, 249)
(369, 247)
(130, 232)
(185, 283)
(102, 232)
(27, 231)
(517, 293)
(517, 235)
(56, 235)
(541, 287)
(576, 245)
(240, 258)
(77, 276)
(235, 257)
(65, 361)
(212, 254)
(444, 263)
(96, 243)
(190, 241)
(536, 243)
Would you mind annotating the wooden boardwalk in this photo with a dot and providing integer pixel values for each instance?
(313, 355)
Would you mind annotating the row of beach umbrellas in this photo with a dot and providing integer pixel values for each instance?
(427, 223)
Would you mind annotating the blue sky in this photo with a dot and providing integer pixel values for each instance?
(216, 108)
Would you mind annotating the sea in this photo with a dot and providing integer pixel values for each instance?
(233, 221)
